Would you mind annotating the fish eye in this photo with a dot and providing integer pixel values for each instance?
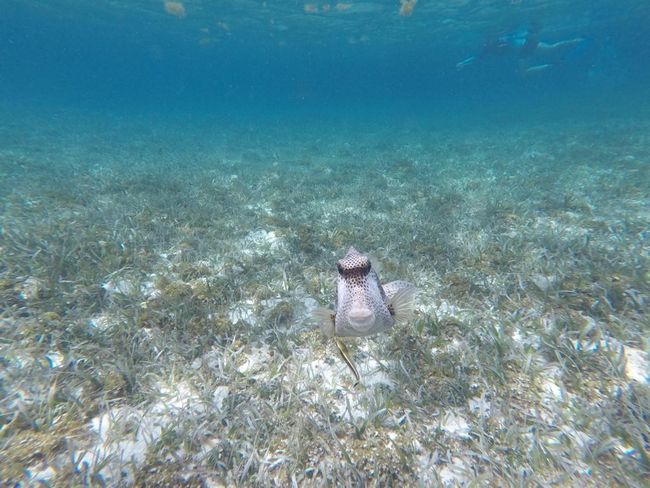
(340, 268)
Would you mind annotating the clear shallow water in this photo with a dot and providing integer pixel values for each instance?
(259, 56)
(177, 182)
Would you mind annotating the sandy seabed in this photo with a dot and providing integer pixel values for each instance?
(157, 284)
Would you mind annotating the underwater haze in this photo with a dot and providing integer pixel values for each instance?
(259, 57)
(179, 178)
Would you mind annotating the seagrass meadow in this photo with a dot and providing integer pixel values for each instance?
(157, 283)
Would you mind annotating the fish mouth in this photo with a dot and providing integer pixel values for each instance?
(361, 318)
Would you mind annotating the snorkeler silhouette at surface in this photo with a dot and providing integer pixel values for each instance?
(524, 44)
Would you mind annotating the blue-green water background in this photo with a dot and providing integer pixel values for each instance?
(255, 60)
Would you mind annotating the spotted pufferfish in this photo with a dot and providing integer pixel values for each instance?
(363, 306)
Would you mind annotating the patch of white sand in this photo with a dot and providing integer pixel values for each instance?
(637, 367)
(124, 434)
(455, 425)
(243, 311)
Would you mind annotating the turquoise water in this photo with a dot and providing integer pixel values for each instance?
(178, 180)
(256, 57)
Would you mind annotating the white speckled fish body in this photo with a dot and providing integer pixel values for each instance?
(363, 305)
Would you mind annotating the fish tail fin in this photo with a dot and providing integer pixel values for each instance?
(345, 354)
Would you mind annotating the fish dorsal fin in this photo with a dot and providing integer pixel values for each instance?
(375, 264)
(394, 286)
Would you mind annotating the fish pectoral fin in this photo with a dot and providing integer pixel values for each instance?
(324, 317)
(402, 303)
(345, 354)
